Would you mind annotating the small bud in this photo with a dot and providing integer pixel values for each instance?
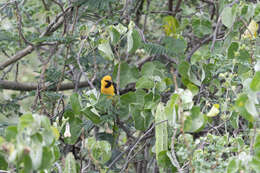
(67, 131)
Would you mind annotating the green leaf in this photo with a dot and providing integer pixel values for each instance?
(240, 107)
(128, 74)
(183, 69)
(193, 88)
(163, 160)
(102, 151)
(154, 68)
(10, 133)
(232, 49)
(233, 166)
(36, 155)
(171, 109)
(56, 153)
(70, 164)
(105, 50)
(228, 16)
(25, 121)
(114, 35)
(251, 108)
(133, 41)
(177, 46)
(47, 158)
(27, 163)
(138, 117)
(4, 164)
(128, 98)
(196, 121)
(255, 84)
(244, 56)
(144, 82)
(170, 25)
(161, 133)
(95, 118)
(75, 130)
(201, 26)
(75, 104)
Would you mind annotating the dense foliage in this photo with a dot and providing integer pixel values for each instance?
(187, 75)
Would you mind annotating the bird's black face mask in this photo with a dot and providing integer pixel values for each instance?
(108, 84)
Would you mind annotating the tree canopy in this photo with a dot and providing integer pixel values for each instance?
(187, 79)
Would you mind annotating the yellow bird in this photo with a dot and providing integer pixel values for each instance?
(107, 86)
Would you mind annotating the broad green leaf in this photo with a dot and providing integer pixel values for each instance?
(233, 166)
(55, 132)
(128, 74)
(151, 100)
(170, 25)
(154, 68)
(139, 118)
(232, 49)
(95, 118)
(201, 26)
(10, 133)
(163, 160)
(255, 84)
(105, 49)
(244, 56)
(186, 98)
(70, 164)
(228, 16)
(255, 164)
(240, 107)
(196, 121)
(251, 108)
(114, 35)
(27, 164)
(183, 69)
(161, 133)
(44, 120)
(56, 152)
(171, 109)
(75, 130)
(25, 120)
(128, 98)
(133, 41)
(4, 164)
(36, 153)
(177, 46)
(90, 142)
(193, 88)
(75, 104)
(101, 151)
(144, 82)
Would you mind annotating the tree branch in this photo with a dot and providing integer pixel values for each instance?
(53, 26)
(10, 85)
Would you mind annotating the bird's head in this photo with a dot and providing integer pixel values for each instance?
(106, 81)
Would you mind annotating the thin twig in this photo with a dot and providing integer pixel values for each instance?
(80, 66)
(137, 142)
